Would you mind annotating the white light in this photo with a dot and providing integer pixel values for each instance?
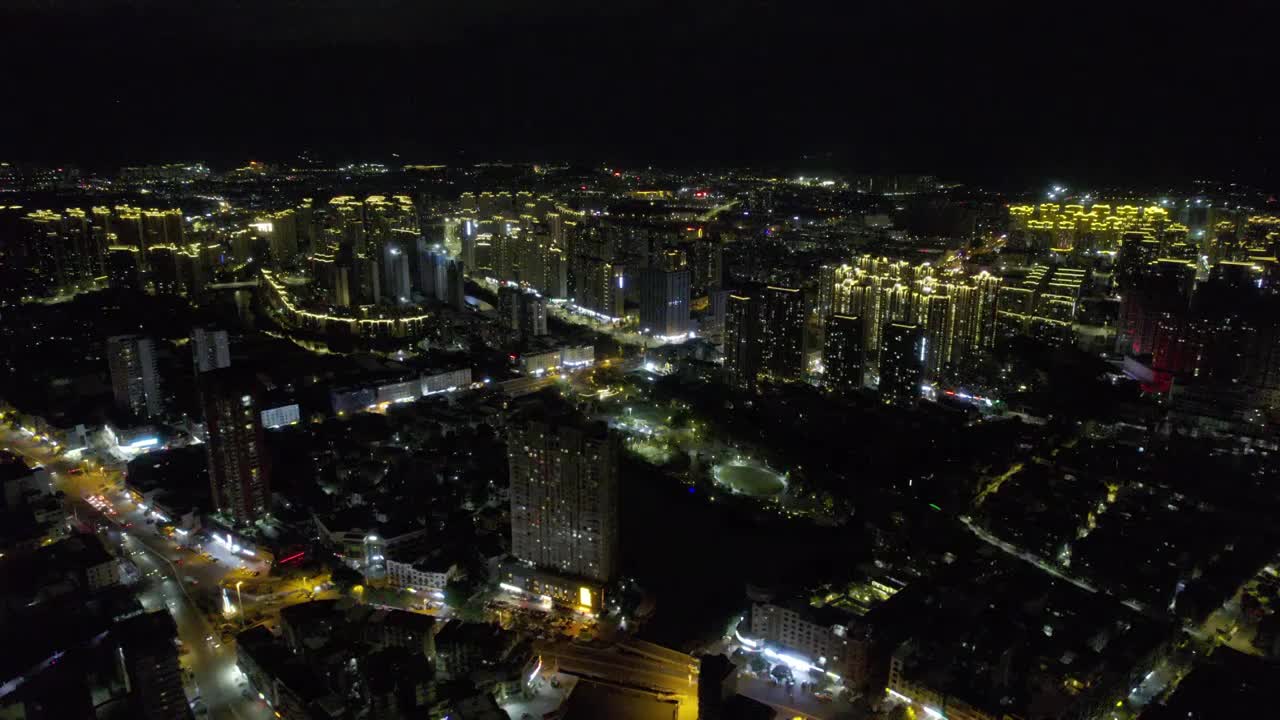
(144, 442)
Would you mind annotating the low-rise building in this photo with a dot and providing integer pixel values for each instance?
(427, 574)
(462, 648)
(571, 592)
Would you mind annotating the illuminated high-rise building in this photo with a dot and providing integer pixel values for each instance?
(1063, 230)
(124, 267)
(1041, 305)
(742, 340)
(394, 280)
(280, 230)
(664, 301)
(1156, 305)
(782, 333)
(902, 363)
(161, 227)
(1137, 251)
(165, 275)
(764, 336)
(522, 311)
(239, 471)
(135, 381)
(602, 287)
(564, 489)
(842, 354)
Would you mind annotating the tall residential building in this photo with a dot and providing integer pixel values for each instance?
(239, 472)
(742, 340)
(1137, 251)
(134, 379)
(1042, 305)
(842, 356)
(902, 362)
(564, 489)
(956, 310)
(432, 266)
(210, 350)
(664, 302)
(523, 311)
(394, 281)
(124, 267)
(280, 231)
(149, 666)
(782, 333)
(61, 249)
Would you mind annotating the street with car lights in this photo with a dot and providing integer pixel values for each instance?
(169, 577)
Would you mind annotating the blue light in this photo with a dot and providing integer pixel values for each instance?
(692, 490)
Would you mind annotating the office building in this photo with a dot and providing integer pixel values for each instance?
(902, 363)
(239, 472)
(210, 350)
(135, 382)
(842, 356)
(564, 489)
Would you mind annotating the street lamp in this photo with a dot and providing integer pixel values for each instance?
(240, 601)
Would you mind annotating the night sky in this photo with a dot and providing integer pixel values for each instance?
(1096, 92)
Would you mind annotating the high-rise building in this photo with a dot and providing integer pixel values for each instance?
(742, 340)
(842, 356)
(60, 249)
(782, 333)
(1137, 251)
(280, 230)
(134, 379)
(166, 277)
(394, 282)
(210, 350)
(564, 489)
(664, 302)
(902, 361)
(601, 287)
(522, 311)
(432, 278)
(239, 472)
(1042, 305)
(124, 267)
(1160, 297)
(148, 659)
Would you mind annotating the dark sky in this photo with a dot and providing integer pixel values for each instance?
(1096, 91)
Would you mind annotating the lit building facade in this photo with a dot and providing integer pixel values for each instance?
(664, 302)
(842, 354)
(564, 490)
(902, 363)
(135, 381)
(239, 473)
